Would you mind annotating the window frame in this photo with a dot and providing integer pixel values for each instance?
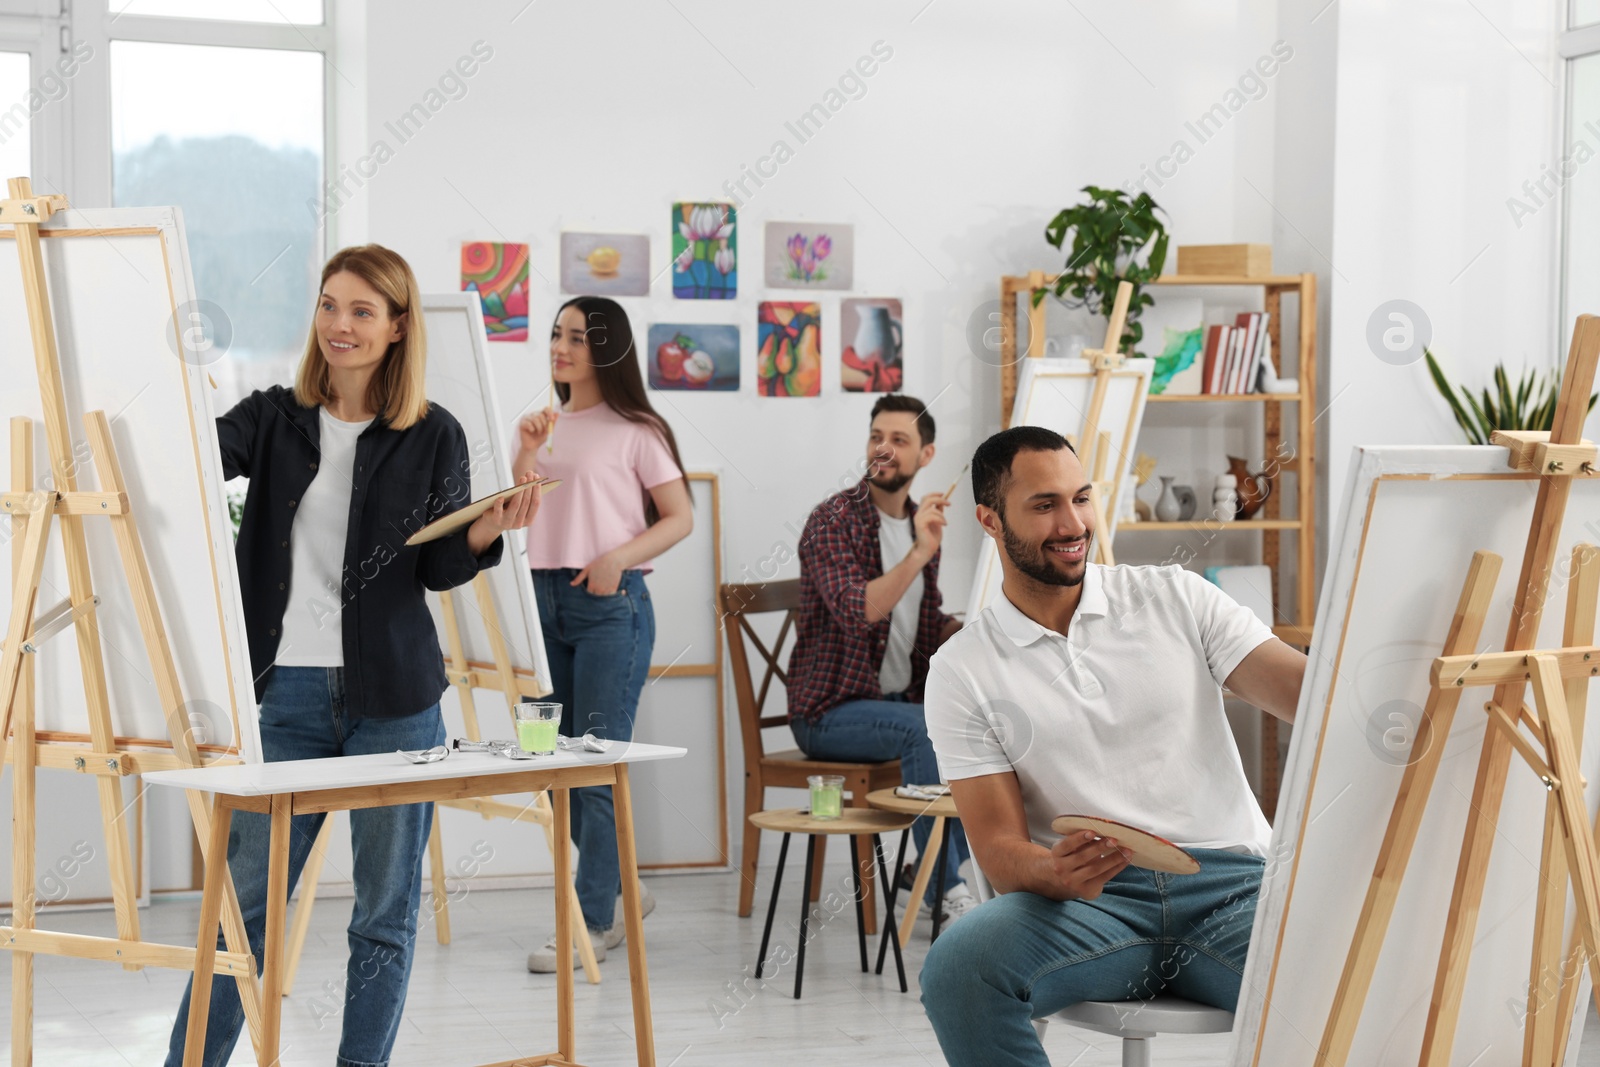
(44, 39)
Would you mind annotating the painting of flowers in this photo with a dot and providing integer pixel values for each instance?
(605, 264)
(807, 255)
(789, 357)
(870, 346)
(693, 358)
(498, 273)
(704, 252)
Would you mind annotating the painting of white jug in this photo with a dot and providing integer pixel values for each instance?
(870, 358)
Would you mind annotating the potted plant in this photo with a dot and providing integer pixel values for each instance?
(1110, 235)
(1531, 405)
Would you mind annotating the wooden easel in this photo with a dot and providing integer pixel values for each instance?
(106, 757)
(1095, 445)
(1550, 747)
(465, 675)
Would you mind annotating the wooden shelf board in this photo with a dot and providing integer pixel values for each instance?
(1237, 524)
(1202, 398)
(1276, 281)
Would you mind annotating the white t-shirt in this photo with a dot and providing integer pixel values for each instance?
(313, 634)
(1122, 718)
(895, 538)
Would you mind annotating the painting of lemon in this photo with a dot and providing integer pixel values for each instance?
(605, 264)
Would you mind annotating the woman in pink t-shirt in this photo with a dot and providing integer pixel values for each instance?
(623, 501)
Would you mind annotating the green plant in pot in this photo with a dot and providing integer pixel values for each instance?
(1530, 404)
(1115, 238)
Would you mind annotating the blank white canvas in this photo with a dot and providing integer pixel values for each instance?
(1055, 394)
(115, 299)
(1393, 580)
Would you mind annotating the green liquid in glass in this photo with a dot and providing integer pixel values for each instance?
(826, 801)
(537, 735)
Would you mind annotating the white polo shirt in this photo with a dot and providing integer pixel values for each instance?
(1121, 718)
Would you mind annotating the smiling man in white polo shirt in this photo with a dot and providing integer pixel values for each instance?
(1091, 690)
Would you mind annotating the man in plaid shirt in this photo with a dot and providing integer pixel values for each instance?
(869, 619)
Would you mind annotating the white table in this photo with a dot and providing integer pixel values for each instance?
(299, 787)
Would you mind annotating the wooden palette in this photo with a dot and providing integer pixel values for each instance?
(465, 516)
(1149, 851)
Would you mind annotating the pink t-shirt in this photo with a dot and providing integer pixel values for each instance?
(604, 463)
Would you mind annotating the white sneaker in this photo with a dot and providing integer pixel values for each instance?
(618, 931)
(958, 900)
(543, 961)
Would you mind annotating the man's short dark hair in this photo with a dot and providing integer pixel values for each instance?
(991, 463)
(900, 402)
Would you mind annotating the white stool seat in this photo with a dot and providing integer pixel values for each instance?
(1146, 1019)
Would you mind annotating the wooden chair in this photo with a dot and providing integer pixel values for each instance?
(789, 768)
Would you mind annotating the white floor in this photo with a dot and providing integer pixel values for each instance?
(473, 1002)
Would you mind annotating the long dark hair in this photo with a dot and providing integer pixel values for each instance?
(615, 359)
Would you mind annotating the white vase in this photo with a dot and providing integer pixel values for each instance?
(1167, 508)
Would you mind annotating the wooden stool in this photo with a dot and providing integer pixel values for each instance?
(943, 812)
(852, 822)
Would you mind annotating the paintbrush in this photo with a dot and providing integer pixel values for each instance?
(948, 493)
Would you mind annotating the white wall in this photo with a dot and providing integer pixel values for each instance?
(1444, 110)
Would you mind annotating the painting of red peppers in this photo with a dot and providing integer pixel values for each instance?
(693, 358)
(810, 255)
(870, 346)
(705, 243)
(789, 354)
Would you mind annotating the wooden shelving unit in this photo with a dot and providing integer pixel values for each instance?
(1278, 456)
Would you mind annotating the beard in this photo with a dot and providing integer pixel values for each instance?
(1033, 560)
(889, 483)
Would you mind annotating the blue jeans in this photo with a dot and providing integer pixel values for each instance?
(892, 728)
(599, 651)
(1021, 956)
(303, 717)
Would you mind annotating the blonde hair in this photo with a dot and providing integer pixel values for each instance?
(396, 390)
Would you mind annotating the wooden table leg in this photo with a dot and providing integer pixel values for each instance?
(277, 912)
(638, 977)
(930, 857)
(441, 892)
(561, 824)
(205, 946)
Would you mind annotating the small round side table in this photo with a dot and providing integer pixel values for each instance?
(852, 822)
(943, 812)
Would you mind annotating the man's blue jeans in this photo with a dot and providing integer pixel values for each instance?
(303, 717)
(893, 728)
(599, 651)
(1021, 956)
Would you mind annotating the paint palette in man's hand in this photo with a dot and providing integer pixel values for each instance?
(1149, 851)
(464, 516)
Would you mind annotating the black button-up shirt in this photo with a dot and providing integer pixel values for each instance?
(402, 480)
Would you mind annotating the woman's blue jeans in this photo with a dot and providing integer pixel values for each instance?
(303, 717)
(893, 728)
(1021, 956)
(599, 651)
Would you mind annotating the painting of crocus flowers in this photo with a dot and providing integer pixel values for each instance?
(693, 357)
(789, 356)
(808, 255)
(870, 346)
(705, 263)
(498, 273)
(605, 264)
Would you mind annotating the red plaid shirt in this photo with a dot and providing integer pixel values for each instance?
(837, 653)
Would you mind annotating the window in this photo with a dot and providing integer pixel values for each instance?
(16, 117)
(244, 159)
(302, 12)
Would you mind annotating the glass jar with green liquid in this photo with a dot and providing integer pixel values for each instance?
(538, 725)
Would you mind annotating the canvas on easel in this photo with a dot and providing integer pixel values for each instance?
(120, 539)
(1097, 403)
(1415, 904)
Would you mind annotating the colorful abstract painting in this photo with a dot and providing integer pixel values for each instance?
(694, 358)
(605, 264)
(870, 346)
(810, 255)
(498, 273)
(705, 248)
(789, 359)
